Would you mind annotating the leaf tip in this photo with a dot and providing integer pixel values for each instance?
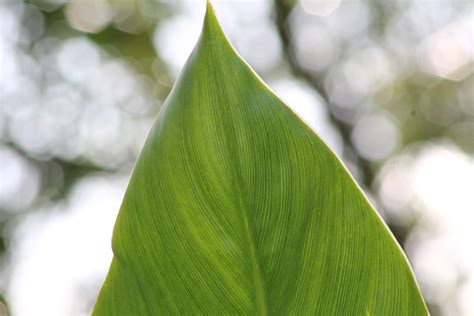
(208, 6)
(210, 16)
(212, 31)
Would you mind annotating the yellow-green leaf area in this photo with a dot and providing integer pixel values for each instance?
(236, 207)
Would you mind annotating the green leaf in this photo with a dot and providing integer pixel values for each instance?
(236, 206)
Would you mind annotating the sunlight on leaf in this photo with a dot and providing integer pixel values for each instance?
(236, 206)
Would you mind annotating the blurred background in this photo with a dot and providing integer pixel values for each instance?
(388, 84)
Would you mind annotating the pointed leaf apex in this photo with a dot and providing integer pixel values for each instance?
(210, 20)
(212, 31)
(208, 6)
(210, 13)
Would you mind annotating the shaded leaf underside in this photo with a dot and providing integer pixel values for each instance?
(236, 206)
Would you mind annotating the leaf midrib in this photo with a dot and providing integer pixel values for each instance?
(257, 275)
(260, 294)
(230, 139)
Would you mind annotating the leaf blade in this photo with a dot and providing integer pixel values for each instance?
(236, 206)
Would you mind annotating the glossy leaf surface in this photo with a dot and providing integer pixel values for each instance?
(236, 206)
